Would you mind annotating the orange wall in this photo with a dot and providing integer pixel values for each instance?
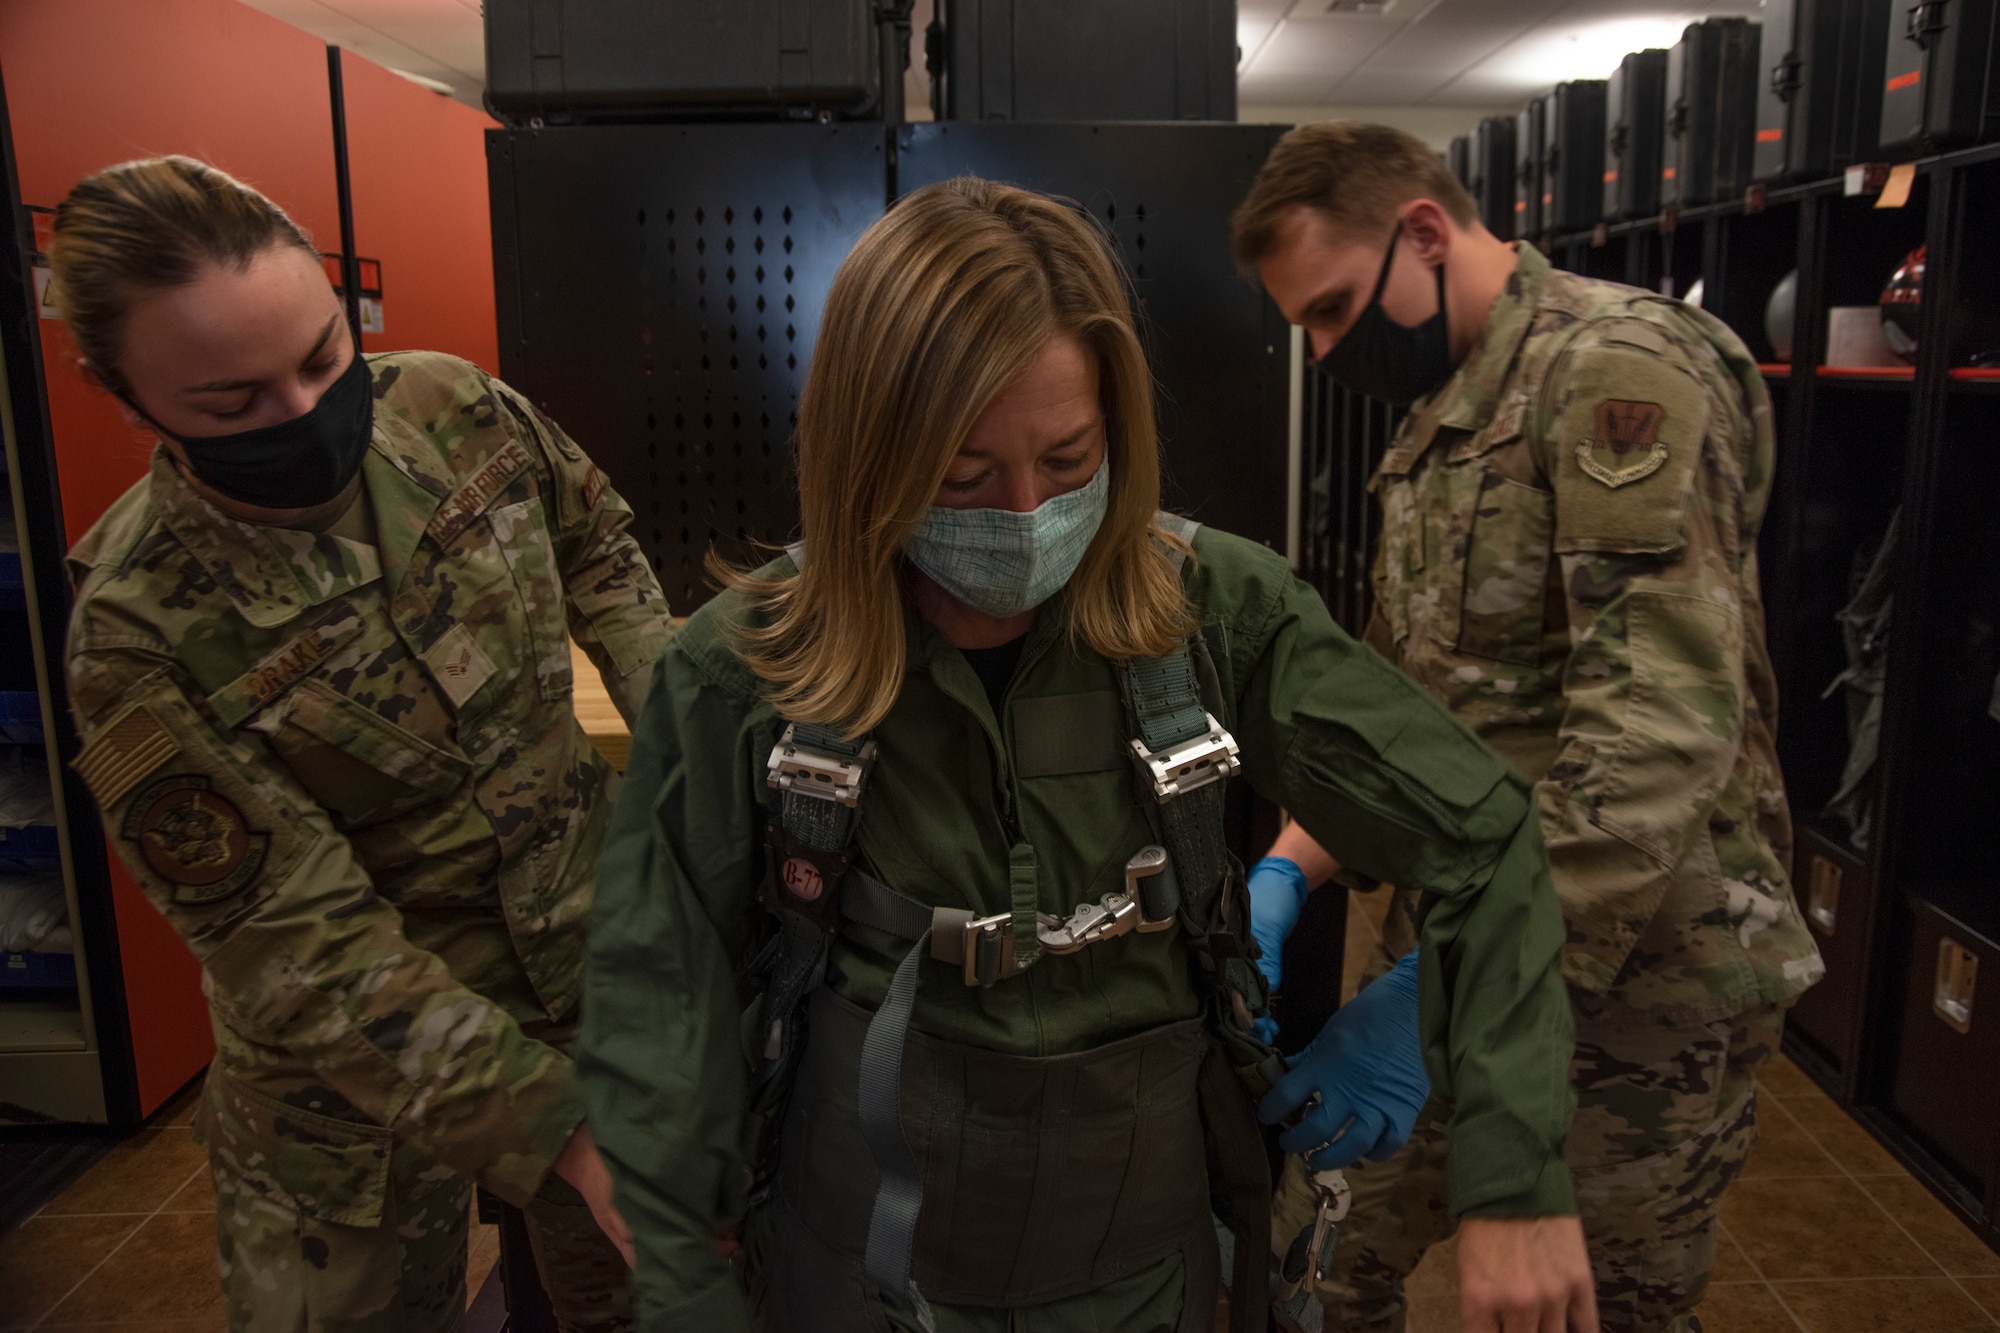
(94, 82)
(417, 167)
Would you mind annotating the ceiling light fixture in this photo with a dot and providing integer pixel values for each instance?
(1369, 8)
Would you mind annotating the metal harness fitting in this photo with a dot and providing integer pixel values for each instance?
(1192, 764)
(802, 769)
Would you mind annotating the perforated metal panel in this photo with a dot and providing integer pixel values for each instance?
(1218, 346)
(659, 289)
(1345, 435)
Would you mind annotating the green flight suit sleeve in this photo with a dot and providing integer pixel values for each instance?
(663, 1068)
(1639, 450)
(1394, 787)
(617, 613)
(297, 949)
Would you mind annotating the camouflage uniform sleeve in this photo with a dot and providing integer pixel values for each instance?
(297, 950)
(1639, 443)
(663, 1070)
(617, 612)
(1395, 788)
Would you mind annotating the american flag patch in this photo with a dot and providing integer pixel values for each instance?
(118, 757)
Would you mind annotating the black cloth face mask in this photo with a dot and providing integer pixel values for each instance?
(294, 464)
(1397, 363)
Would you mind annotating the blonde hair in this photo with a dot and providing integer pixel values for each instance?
(941, 303)
(144, 225)
(1353, 174)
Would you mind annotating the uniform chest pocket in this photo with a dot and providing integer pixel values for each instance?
(522, 532)
(1505, 556)
(359, 765)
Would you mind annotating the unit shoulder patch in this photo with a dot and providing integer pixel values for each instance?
(128, 748)
(195, 839)
(1624, 444)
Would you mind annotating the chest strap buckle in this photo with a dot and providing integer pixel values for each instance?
(797, 767)
(982, 946)
(1192, 764)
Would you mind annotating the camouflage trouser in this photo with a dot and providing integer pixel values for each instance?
(326, 1225)
(1665, 1116)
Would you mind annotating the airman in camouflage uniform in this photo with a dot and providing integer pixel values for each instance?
(345, 767)
(1568, 561)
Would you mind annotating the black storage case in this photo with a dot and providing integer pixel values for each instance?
(1573, 155)
(1493, 174)
(1101, 60)
(1530, 151)
(1819, 86)
(627, 59)
(1711, 113)
(1634, 122)
(1937, 84)
(1458, 159)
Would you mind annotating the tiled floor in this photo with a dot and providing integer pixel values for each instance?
(130, 1248)
(1824, 1233)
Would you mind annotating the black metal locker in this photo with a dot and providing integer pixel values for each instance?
(1634, 122)
(1458, 158)
(1736, 111)
(1938, 88)
(1493, 174)
(1530, 151)
(1106, 60)
(1573, 161)
(658, 291)
(585, 58)
(1711, 109)
(1819, 86)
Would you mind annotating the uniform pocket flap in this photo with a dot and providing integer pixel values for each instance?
(356, 730)
(332, 1170)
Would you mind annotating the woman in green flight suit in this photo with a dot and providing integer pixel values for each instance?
(985, 616)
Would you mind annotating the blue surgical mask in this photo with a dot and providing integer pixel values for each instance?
(1005, 563)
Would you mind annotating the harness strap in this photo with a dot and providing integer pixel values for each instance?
(899, 1198)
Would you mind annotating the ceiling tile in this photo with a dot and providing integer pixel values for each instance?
(1373, 86)
(1444, 48)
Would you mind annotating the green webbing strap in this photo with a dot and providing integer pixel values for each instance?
(899, 1197)
(1166, 700)
(1167, 710)
(825, 825)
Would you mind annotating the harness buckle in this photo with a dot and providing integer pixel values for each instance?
(1192, 764)
(982, 946)
(1148, 863)
(1091, 923)
(799, 768)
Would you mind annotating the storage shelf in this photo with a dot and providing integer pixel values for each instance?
(29, 847)
(1975, 379)
(38, 1024)
(1973, 904)
(20, 717)
(1900, 375)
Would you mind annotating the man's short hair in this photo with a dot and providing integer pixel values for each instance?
(1353, 174)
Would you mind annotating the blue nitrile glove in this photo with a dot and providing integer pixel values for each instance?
(1278, 891)
(1367, 1065)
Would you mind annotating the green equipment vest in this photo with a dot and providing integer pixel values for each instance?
(1183, 758)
